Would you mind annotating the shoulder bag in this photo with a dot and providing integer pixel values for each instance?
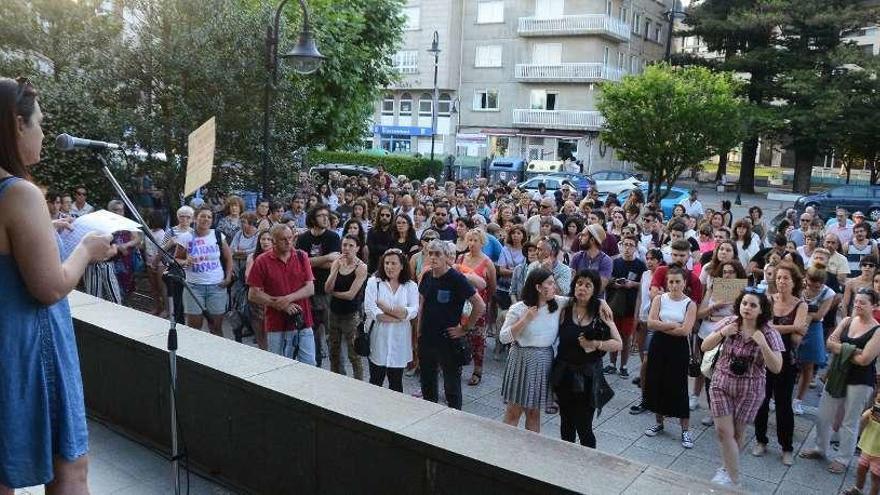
(362, 339)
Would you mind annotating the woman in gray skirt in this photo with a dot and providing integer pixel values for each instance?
(532, 326)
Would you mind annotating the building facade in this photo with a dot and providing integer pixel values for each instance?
(528, 72)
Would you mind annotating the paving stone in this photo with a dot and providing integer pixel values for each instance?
(641, 454)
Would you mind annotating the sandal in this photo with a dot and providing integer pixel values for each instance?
(476, 378)
(836, 468)
(811, 454)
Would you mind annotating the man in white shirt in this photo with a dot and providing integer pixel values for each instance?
(80, 207)
(841, 226)
(546, 211)
(692, 205)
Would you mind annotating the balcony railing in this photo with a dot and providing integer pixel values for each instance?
(558, 119)
(598, 24)
(574, 72)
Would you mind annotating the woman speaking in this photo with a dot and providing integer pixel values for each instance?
(42, 413)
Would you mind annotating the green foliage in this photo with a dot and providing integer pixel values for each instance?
(669, 120)
(412, 167)
(185, 61)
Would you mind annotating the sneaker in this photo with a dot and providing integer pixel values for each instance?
(623, 373)
(788, 458)
(707, 421)
(609, 370)
(693, 402)
(721, 477)
(687, 439)
(638, 408)
(637, 381)
(411, 372)
(653, 431)
(772, 404)
(759, 449)
(813, 383)
(797, 407)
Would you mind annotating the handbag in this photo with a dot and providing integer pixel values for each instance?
(461, 350)
(362, 339)
(695, 366)
(710, 357)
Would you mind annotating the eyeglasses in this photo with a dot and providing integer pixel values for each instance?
(755, 290)
(868, 265)
(23, 84)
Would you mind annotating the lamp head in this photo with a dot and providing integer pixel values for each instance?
(305, 57)
(435, 45)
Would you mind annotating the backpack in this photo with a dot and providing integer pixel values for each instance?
(219, 237)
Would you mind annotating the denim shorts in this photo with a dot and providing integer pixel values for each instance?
(211, 296)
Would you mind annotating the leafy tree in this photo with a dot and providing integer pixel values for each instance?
(669, 120)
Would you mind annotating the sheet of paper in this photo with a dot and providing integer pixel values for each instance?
(726, 290)
(200, 161)
(102, 222)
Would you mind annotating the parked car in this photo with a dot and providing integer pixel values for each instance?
(675, 196)
(614, 181)
(854, 198)
(581, 182)
(323, 171)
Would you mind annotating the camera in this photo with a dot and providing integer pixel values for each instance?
(295, 321)
(739, 366)
(812, 308)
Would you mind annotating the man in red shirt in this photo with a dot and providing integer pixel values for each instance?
(282, 281)
(681, 251)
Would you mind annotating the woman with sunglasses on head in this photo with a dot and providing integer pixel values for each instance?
(585, 335)
(811, 353)
(750, 348)
(42, 411)
(790, 319)
(868, 267)
(855, 341)
(671, 319)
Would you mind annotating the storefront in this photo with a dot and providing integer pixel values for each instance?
(397, 138)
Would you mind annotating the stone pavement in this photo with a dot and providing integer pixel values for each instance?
(120, 466)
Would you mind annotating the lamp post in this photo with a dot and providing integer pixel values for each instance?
(435, 50)
(305, 59)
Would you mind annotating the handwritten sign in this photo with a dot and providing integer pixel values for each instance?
(200, 161)
(726, 290)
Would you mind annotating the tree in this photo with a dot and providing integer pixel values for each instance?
(668, 120)
(855, 142)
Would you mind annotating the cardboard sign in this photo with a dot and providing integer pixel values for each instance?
(200, 160)
(726, 290)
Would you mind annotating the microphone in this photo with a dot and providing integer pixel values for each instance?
(66, 142)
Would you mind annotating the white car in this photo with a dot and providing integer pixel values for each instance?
(614, 181)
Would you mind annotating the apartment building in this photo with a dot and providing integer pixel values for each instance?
(529, 74)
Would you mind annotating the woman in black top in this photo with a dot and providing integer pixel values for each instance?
(585, 335)
(347, 276)
(404, 235)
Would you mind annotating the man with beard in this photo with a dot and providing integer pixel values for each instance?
(591, 256)
(440, 223)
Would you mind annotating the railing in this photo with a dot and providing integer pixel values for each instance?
(600, 24)
(572, 72)
(558, 119)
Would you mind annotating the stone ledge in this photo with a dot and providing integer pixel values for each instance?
(266, 424)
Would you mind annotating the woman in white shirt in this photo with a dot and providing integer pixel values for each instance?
(532, 326)
(747, 243)
(390, 303)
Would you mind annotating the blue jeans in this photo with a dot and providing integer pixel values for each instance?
(287, 343)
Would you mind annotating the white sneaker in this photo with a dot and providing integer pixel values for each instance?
(721, 477)
(694, 402)
(797, 407)
(652, 431)
(687, 439)
(707, 420)
(772, 404)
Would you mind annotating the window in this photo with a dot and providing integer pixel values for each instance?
(658, 30)
(444, 105)
(486, 99)
(547, 53)
(647, 28)
(543, 100)
(548, 9)
(490, 12)
(388, 105)
(620, 58)
(426, 104)
(406, 61)
(634, 64)
(624, 13)
(412, 15)
(637, 21)
(608, 7)
(488, 56)
(406, 105)
(867, 49)
(606, 54)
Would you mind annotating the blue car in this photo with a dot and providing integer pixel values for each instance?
(675, 196)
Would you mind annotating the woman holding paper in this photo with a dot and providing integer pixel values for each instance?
(42, 413)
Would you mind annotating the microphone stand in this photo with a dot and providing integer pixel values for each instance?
(174, 278)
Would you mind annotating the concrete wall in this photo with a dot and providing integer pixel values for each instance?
(266, 424)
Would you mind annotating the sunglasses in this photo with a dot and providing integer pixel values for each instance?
(868, 265)
(393, 251)
(758, 291)
(866, 291)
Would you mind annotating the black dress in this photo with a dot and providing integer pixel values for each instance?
(666, 379)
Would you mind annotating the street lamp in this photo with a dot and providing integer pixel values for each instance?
(435, 50)
(304, 58)
(671, 14)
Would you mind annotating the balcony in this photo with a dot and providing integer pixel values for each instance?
(572, 73)
(558, 119)
(567, 25)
